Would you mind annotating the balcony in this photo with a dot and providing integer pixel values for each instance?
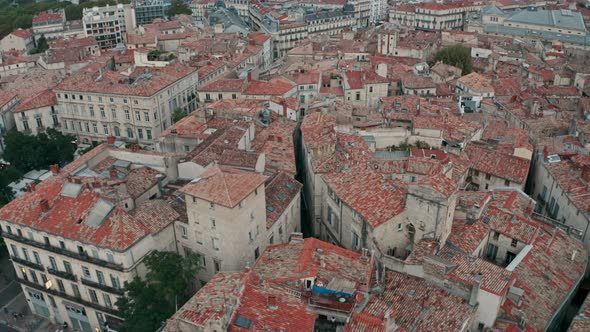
(103, 287)
(68, 297)
(330, 302)
(64, 252)
(62, 274)
(28, 263)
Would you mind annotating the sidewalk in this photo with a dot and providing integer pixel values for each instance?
(14, 301)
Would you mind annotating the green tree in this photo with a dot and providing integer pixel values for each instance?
(179, 7)
(8, 174)
(178, 114)
(42, 45)
(28, 152)
(457, 56)
(147, 304)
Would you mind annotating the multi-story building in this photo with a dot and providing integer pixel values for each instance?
(37, 113)
(108, 24)
(379, 11)
(134, 106)
(50, 24)
(432, 16)
(18, 40)
(148, 10)
(233, 214)
(76, 238)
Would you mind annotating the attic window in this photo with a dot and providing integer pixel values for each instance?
(243, 322)
(281, 196)
(80, 221)
(270, 208)
(289, 186)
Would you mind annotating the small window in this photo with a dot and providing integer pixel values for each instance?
(211, 205)
(488, 176)
(513, 243)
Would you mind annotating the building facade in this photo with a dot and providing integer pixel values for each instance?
(108, 24)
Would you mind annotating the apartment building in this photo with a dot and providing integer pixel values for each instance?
(50, 24)
(18, 40)
(76, 238)
(146, 11)
(432, 16)
(108, 24)
(233, 214)
(134, 105)
(37, 113)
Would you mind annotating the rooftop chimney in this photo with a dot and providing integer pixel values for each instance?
(111, 140)
(113, 173)
(586, 173)
(31, 186)
(475, 290)
(296, 238)
(54, 169)
(135, 147)
(272, 302)
(249, 76)
(44, 205)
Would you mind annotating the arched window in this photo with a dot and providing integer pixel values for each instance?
(117, 131)
(129, 132)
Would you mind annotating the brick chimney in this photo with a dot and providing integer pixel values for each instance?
(272, 302)
(249, 76)
(586, 173)
(475, 290)
(111, 140)
(545, 152)
(31, 186)
(113, 173)
(44, 205)
(54, 169)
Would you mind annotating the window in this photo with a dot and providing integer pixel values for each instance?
(129, 132)
(356, 243)
(217, 265)
(488, 176)
(115, 281)
(105, 129)
(211, 205)
(68, 267)
(107, 300)
(219, 96)
(139, 133)
(26, 125)
(215, 243)
(110, 257)
(137, 116)
(76, 290)
(514, 243)
(60, 286)
(79, 125)
(37, 258)
(93, 296)
(127, 116)
(94, 128)
(400, 227)
(14, 250)
(125, 101)
(53, 263)
(113, 113)
(183, 232)
(212, 220)
(496, 236)
(34, 276)
(148, 133)
(39, 122)
(256, 253)
(509, 257)
(102, 113)
(146, 116)
(507, 183)
(86, 272)
(25, 254)
(87, 126)
(52, 301)
(112, 100)
(358, 96)
(117, 131)
(100, 277)
(233, 96)
(370, 89)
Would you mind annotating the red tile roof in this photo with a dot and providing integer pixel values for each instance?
(500, 165)
(6, 97)
(47, 17)
(223, 85)
(279, 194)
(45, 98)
(224, 185)
(275, 87)
(155, 214)
(22, 33)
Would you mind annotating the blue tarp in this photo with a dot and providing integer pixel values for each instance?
(326, 291)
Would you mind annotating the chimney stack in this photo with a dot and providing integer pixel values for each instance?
(113, 173)
(249, 76)
(44, 204)
(111, 140)
(296, 238)
(31, 186)
(586, 173)
(135, 148)
(272, 302)
(475, 290)
(54, 169)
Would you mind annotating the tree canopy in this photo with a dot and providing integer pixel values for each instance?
(457, 56)
(21, 15)
(179, 7)
(28, 152)
(42, 45)
(177, 114)
(147, 304)
(8, 174)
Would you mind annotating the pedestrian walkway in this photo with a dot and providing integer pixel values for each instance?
(15, 314)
